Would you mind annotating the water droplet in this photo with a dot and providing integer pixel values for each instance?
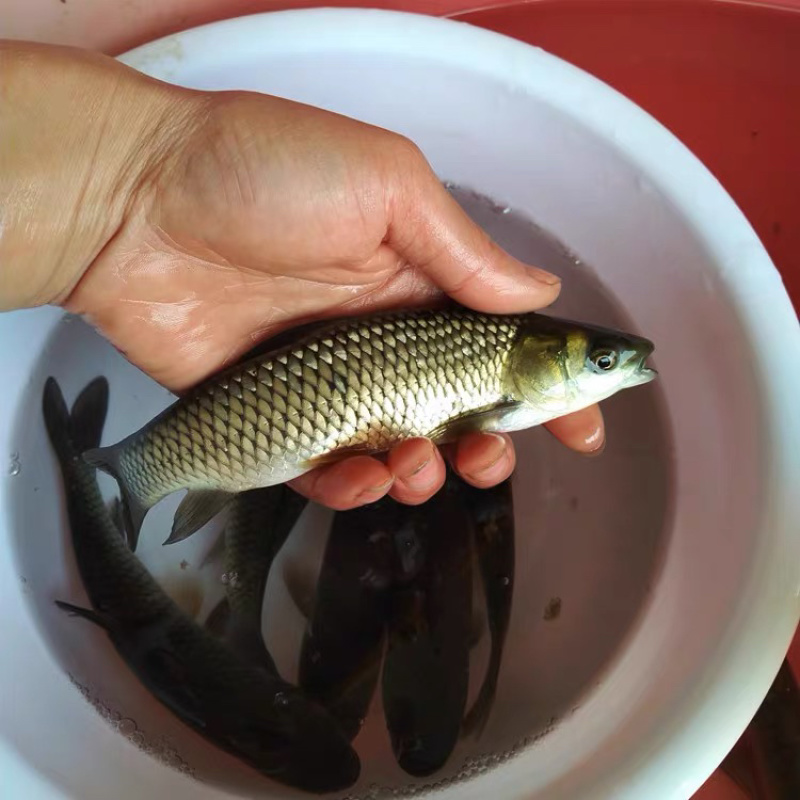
(505, 580)
(506, 210)
(281, 700)
(126, 727)
(137, 737)
(14, 465)
(233, 579)
(225, 579)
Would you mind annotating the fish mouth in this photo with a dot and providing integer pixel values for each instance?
(642, 374)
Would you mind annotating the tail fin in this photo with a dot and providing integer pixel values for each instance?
(72, 433)
(134, 510)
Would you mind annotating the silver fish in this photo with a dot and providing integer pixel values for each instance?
(361, 385)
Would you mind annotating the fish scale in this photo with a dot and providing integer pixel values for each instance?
(363, 385)
(332, 393)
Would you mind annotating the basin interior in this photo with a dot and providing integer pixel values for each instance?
(590, 535)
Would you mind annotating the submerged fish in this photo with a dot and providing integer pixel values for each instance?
(259, 524)
(426, 667)
(242, 709)
(343, 643)
(492, 512)
(362, 385)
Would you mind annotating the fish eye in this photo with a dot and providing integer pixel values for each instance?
(603, 360)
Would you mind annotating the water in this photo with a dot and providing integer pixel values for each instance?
(590, 535)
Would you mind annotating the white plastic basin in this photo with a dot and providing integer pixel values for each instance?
(676, 555)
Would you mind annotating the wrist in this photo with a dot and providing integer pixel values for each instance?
(81, 136)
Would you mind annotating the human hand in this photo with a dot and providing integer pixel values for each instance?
(224, 218)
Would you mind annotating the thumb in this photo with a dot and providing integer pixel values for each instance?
(431, 231)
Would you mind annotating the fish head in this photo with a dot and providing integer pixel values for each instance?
(561, 367)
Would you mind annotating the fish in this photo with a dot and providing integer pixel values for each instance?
(255, 716)
(342, 646)
(258, 526)
(425, 676)
(492, 512)
(347, 615)
(361, 385)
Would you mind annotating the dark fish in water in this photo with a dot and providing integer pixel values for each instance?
(255, 716)
(362, 385)
(259, 524)
(389, 553)
(426, 668)
(343, 643)
(492, 512)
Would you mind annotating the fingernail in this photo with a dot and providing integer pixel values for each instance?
(424, 473)
(595, 442)
(495, 454)
(376, 491)
(543, 276)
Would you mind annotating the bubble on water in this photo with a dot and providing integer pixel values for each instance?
(159, 749)
(472, 766)
(225, 579)
(14, 465)
(126, 726)
(233, 579)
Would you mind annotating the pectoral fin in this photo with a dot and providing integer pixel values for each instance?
(98, 618)
(504, 417)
